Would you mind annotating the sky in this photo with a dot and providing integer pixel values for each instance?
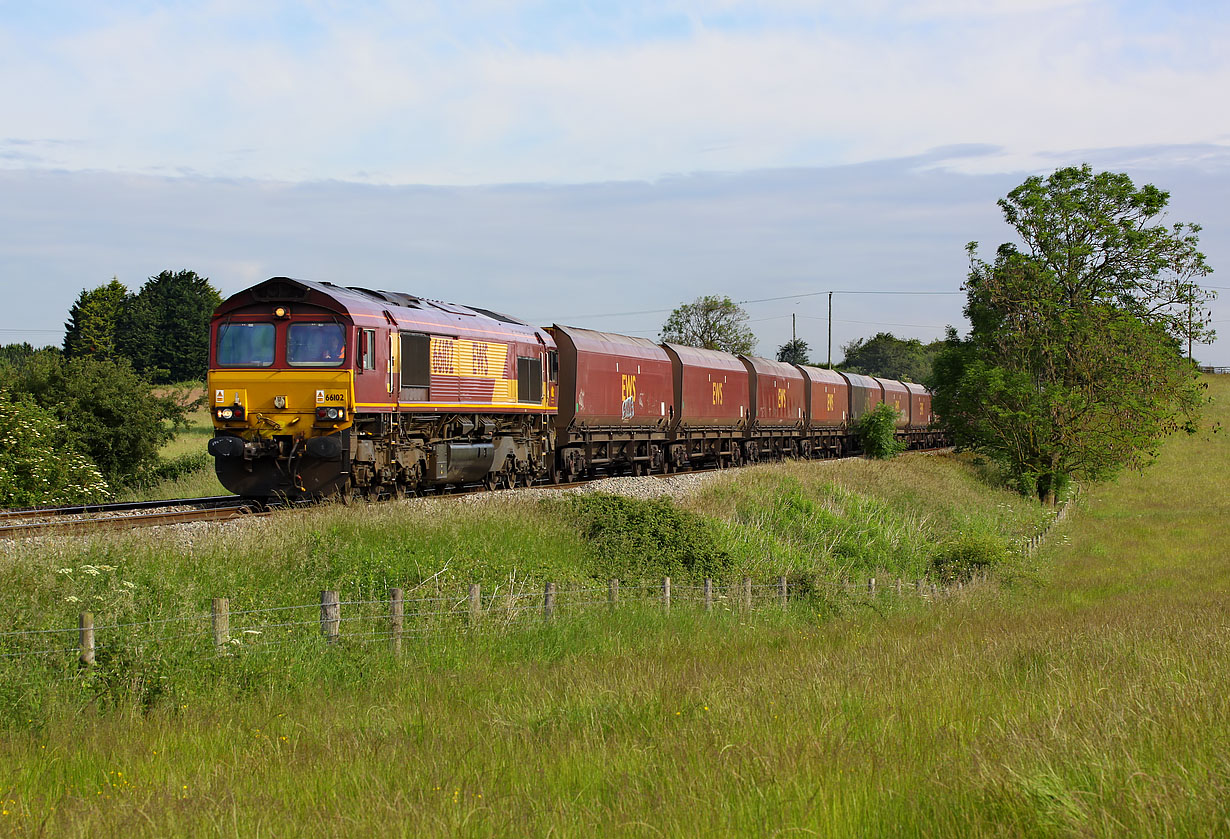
(589, 163)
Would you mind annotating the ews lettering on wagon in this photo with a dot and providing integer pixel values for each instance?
(717, 393)
(781, 398)
(830, 402)
(628, 396)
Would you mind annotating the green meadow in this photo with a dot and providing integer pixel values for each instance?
(1079, 691)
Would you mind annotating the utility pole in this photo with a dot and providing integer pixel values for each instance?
(794, 332)
(830, 330)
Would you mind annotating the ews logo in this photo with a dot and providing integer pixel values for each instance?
(717, 393)
(781, 398)
(629, 388)
(830, 401)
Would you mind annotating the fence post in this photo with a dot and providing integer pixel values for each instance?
(548, 600)
(666, 593)
(330, 616)
(918, 586)
(85, 625)
(397, 618)
(612, 593)
(476, 603)
(899, 588)
(708, 594)
(747, 593)
(871, 587)
(220, 612)
(782, 590)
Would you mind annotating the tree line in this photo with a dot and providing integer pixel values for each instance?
(1074, 366)
(79, 422)
(718, 323)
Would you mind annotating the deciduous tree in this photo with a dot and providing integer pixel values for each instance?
(711, 323)
(890, 357)
(794, 351)
(1073, 367)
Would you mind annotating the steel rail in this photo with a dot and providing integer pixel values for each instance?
(55, 526)
(120, 507)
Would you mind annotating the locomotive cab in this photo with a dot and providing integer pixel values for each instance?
(281, 391)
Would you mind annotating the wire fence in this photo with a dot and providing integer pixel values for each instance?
(332, 621)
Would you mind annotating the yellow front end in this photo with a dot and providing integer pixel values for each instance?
(281, 402)
(282, 432)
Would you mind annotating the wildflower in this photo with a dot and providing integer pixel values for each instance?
(72, 599)
(64, 570)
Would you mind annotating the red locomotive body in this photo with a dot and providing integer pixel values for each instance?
(320, 389)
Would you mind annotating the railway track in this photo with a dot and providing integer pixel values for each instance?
(17, 524)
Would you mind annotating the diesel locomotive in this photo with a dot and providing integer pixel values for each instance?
(321, 390)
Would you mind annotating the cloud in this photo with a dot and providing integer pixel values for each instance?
(464, 94)
(581, 253)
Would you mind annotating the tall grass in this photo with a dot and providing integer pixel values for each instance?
(1092, 703)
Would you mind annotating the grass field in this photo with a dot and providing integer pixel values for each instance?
(1085, 697)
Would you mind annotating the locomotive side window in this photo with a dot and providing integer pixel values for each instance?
(529, 379)
(315, 344)
(367, 349)
(415, 367)
(245, 345)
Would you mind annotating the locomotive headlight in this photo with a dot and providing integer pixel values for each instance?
(279, 402)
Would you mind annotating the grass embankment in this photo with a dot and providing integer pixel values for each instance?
(1091, 705)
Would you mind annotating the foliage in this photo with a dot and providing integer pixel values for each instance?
(964, 555)
(877, 432)
(93, 320)
(794, 351)
(109, 412)
(12, 355)
(646, 539)
(711, 323)
(39, 465)
(889, 357)
(164, 328)
(1073, 368)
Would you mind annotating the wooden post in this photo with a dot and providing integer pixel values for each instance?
(220, 612)
(708, 594)
(899, 584)
(783, 591)
(397, 618)
(918, 586)
(85, 625)
(612, 593)
(666, 593)
(330, 616)
(476, 603)
(747, 593)
(548, 600)
(871, 587)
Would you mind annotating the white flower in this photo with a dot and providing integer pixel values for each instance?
(64, 570)
(71, 599)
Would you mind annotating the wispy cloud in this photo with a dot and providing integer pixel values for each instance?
(514, 92)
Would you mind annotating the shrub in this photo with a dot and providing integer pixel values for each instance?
(109, 411)
(38, 463)
(877, 432)
(966, 554)
(640, 539)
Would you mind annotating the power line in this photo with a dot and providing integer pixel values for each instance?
(758, 300)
